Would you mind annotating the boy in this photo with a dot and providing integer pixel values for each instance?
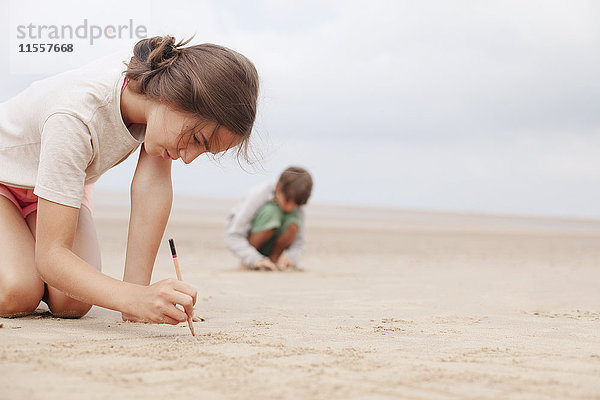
(266, 230)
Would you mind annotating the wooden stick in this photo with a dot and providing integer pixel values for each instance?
(178, 272)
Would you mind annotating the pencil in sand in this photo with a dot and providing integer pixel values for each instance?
(178, 272)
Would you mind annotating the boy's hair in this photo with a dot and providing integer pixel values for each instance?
(296, 184)
(211, 82)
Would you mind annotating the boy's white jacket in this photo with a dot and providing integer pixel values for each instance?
(239, 221)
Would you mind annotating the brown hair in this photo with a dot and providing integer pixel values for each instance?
(211, 82)
(296, 184)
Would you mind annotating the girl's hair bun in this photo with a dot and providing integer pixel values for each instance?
(152, 56)
(157, 52)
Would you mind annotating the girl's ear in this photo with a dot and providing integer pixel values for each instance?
(277, 187)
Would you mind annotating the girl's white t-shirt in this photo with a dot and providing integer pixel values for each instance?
(65, 131)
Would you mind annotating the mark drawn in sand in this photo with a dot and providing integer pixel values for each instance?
(211, 358)
(577, 314)
(262, 324)
(392, 325)
(482, 354)
(454, 319)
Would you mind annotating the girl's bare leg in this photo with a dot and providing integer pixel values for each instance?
(21, 288)
(86, 247)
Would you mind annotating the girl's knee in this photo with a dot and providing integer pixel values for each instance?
(68, 308)
(19, 298)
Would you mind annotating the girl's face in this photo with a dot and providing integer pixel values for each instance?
(170, 135)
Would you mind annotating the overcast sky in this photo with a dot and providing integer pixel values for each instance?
(450, 105)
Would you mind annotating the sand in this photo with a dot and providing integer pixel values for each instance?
(391, 304)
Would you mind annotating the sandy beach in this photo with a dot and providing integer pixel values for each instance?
(390, 304)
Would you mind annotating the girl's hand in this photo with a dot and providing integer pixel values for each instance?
(130, 318)
(157, 303)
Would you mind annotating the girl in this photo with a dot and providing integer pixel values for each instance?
(58, 136)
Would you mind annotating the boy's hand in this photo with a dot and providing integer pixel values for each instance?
(157, 303)
(267, 264)
(284, 262)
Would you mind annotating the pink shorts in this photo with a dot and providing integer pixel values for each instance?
(27, 202)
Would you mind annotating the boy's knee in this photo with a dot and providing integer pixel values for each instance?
(257, 239)
(68, 308)
(18, 298)
(288, 236)
(292, 229)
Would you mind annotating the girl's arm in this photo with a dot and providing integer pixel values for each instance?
(61, 268)
(151, 199)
